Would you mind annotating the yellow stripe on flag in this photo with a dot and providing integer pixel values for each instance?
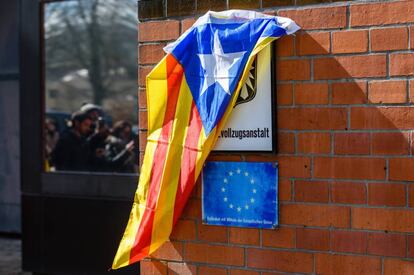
(163, 219)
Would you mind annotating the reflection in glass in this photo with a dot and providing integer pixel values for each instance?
(91, 85)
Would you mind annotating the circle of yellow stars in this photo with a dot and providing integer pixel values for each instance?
(251, 201)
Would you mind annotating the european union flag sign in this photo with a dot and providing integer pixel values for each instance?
(240, 194)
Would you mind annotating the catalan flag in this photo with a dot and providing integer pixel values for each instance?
(190, 95)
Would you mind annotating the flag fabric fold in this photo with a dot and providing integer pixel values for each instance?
(190, 95)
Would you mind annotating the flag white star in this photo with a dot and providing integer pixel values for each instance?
(217, 66)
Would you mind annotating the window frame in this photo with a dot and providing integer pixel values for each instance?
(34, 178)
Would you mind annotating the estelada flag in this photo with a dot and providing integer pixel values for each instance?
(190, 95)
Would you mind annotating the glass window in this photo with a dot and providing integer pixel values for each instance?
(90, 87)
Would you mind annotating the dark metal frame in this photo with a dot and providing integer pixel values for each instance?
(273, 114)
(51, 200)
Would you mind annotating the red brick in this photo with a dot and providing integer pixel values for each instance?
(313, 43)
(150, 53)
(285, 190)
(153, 268)
(315, 215)
(314, 142)
(180, 269)
(317, 18)
(347, 264)
(402, 169)
(383, 219)
(390, 143)
(209, 233)
(387, 244)
(158, 30)
(247, 236)
(243, 272)
(142, 140)
(285, 143)
(280, 260)
(382, 118)
(349, 41)
(311, 93)
(206, 270)
(169, 251)
(389, 39)
(192, 209)
(411, 195)
(412, 37)
(142, 99)
(284, 46)
(387, 91)
(311, 191)
(142, 73)
(410, 246)
(398, 267)
(312, 118)
(143, 119)
(284, 94)
(352, 143)
(293, 69)
(312, 239)
(348, 192)
(294, 167)
(349, 241)
(282, 237)
(349, 93)
(349, 168)
(402, 64)
(184, 230)
(412, 84)
(221, 157)
(382, 13)
(214, 254)
(386, 194)
(187, 23)
(350, 67)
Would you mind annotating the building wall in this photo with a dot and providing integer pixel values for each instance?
(9, 118)
(345, 131)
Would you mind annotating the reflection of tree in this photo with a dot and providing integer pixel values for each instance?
(95, 39)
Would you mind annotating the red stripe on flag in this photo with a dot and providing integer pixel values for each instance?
(188, 163)
(142, 242)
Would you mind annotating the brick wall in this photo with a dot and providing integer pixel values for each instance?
(345, 125)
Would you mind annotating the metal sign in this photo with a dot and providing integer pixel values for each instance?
(243, 194)
(251, 124)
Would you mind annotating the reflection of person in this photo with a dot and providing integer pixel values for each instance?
(51, 136)
(71, 151)
(100, 159)
(92, 110)
(122, 140)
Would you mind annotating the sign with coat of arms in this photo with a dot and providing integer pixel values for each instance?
(251, 125)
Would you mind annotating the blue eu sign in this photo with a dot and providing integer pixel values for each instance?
(240, 194)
